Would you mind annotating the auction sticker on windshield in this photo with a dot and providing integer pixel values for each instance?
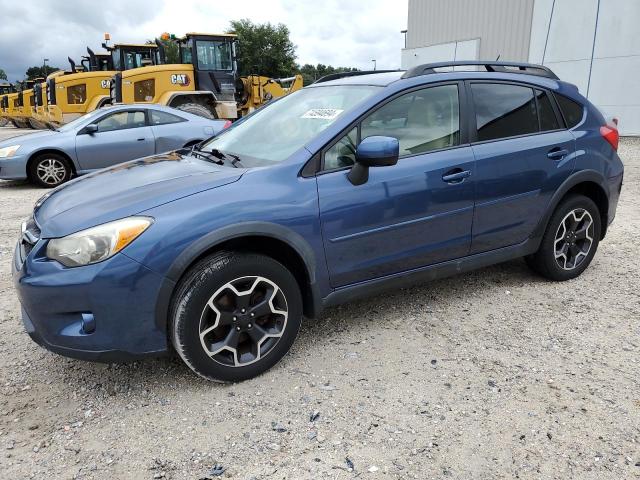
(323, 113)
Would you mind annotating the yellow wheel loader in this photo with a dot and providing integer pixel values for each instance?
(72, 94)
(254, 91)
(39, 114)
(6, 88)
(12, 105)
(22, 105)
(205, 83)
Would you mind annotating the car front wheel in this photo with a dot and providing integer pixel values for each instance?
(50, 170)
(235, 315)
(570, 241)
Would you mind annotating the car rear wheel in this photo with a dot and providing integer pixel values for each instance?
(50, 170)
(570, 241)
(235, 315)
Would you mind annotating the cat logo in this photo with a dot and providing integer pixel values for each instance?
(105, 84)
(180, 79)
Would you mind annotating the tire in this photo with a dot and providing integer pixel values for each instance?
(570, 240)
(212, 333)
(197, 109)
(49, 170)
(36, 125)
(3, 122)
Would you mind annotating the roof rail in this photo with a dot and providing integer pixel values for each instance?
(489, 66)
(337, 76)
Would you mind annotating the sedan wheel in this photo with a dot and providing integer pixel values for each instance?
(50, 170)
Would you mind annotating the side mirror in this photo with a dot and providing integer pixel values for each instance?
(373, 152)
(90, 129)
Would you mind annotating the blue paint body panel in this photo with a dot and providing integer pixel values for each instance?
(407, 218)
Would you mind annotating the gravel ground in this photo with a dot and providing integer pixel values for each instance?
(492, 374)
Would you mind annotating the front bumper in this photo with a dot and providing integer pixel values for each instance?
(119, 295)
(13, 168)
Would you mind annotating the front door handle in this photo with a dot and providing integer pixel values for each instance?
(141, 139)
(557, 153)
(457, 175)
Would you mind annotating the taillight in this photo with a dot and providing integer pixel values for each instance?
(227, 124)
(611, 135)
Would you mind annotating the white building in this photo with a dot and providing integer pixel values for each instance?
(594, 44)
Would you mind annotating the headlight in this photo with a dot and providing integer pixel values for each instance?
(8, 151)
(98, 243)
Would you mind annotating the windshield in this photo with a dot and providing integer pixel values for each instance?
(275, 132)
(214, 55)
(80, 120)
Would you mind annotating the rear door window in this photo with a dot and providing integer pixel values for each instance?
(504, 110)
(571, 111)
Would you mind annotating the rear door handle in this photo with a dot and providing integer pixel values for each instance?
(557, 153)
(141, 139)
(456, 175)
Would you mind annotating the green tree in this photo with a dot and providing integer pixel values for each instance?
(264, 49)
(40, 72)
(311, 73)
(3, 76)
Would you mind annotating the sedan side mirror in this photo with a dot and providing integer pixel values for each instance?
(90, 129)
(373, 152)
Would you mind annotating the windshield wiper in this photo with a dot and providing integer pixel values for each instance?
(196, 152)
(234, 160)
(230, 157)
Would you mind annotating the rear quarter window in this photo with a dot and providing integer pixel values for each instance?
(504, 110)
(571, 111)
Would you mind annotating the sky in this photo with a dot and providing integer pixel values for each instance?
(347, 33)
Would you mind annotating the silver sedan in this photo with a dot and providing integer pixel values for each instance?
(100, 139)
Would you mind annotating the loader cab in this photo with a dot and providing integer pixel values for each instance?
(27, 100)
(5, 89)
(129, 56)
(213, 57)
(97, 62)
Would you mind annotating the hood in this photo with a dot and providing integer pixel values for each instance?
(28, 138)
(127, 189)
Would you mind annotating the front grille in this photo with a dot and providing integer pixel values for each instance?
(30, 236)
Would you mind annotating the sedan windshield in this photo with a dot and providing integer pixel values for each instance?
(80, 120)
(274, 133)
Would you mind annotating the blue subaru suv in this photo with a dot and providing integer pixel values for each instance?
(355, 184)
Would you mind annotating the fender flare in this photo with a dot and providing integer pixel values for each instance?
(574, 179)
(209, 241)
(97, 102)
(168, 97)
